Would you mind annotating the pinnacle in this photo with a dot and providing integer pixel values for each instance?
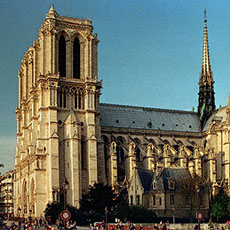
(52, 13)
(206, 74)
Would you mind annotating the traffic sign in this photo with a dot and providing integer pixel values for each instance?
(65, 215)
(199, 215)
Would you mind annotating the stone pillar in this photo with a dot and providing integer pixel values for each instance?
(166, 156)
(191, 167)
(197, 161)
(130, 161)
(113, 163)
(148, 160)
(182, 157)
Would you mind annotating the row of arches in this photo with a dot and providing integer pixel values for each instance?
(26, 201)
(62, 52)
(73, 99)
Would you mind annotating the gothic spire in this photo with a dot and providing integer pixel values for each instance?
(52, 13)
(206, 73)
(206, 84)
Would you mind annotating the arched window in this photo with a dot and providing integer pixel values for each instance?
(137, 150)
(83, 153)
(24, 197)
(62, 56)
(64, 99)
(32, 196)
(119, 150)
(106, 154)
(76, 58)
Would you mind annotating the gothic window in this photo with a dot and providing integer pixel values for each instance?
(64, 99)
(154, 185)
(160, 201)
(154, 200)
(62, 56)
(83, 153)
(119, 150)
(32, 195)
(172, 199)
(171, 184)
(76, 58)
(131, 200)
(24, 197)
(137, 150)
(106, 151)
(76, 100)
(60, 98)
(138, 199)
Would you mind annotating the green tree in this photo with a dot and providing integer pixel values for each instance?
(53, 210)
(220, 206)
(97, 199)
(136, 214)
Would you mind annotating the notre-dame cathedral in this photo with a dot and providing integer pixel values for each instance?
(64, 132)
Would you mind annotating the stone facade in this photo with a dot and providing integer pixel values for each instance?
(64, 132)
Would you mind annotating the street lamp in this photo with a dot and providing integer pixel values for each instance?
(19, 210)
(198, 199)
(30, 211)
(65, 186)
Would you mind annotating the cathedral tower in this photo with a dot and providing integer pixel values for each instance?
(57, 115)
(206, 83)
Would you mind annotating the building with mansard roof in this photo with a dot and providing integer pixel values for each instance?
(64, 132)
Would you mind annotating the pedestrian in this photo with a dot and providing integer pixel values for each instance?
(155, 227)
(131, 226)
(120, 225)
(164, 227)
(196, 227)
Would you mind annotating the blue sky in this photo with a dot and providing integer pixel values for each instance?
(150, 52)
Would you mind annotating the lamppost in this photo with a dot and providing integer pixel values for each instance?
(30, 211)
(106, 218)
(198, 199)
(19, 210)
(65, 186)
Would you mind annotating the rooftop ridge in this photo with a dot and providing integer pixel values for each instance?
(150, 109)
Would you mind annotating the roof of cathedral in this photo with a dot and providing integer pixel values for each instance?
(176, 174)
(217, 115)
(121, 116)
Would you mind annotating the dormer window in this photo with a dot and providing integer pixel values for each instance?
(171, 184)
(154, 185)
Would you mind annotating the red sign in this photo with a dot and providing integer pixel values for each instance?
(65, 215)
(199, 215)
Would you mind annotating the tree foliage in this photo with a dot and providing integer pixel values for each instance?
(97, 199)
(94, 204)
(53, 211)
(220, 207)
(136, 214)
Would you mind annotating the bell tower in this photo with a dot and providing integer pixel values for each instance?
(206, 83)
(57, 114)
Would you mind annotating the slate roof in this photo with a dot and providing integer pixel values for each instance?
(177, 174)
(146, 177)
(121, 116)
